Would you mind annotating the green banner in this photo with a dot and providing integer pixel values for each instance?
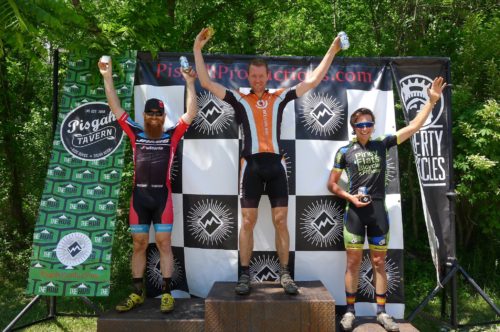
(74, 230)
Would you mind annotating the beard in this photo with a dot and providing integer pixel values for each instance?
(153, 130)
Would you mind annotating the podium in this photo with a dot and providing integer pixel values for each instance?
(268, 308)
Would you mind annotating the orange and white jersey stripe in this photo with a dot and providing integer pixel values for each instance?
(260, 118)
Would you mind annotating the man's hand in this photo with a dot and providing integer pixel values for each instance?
(336, 45)
(202, 38)
(189, 76)
(105, 68)
(436, 89)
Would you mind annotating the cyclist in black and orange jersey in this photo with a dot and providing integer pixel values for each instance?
(260, 113)
(364, 161)
(151, 201)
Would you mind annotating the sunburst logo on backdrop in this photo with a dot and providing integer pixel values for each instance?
(214, 115)
(322, 114)
(265, 268)
(210, 221)
(321, 223)
(366, 286)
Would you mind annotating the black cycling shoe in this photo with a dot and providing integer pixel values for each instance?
(243, 285)
(288, 284)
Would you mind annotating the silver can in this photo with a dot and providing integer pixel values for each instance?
(344, 40)
(184, 64)
(362, 191)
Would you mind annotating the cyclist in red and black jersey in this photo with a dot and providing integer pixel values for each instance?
(364, 161)
(259, 114)
(151, 202)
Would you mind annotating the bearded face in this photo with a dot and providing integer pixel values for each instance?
(153, 124)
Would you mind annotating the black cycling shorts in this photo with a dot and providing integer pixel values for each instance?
(150, 205)
(263, 173)
(372, 219)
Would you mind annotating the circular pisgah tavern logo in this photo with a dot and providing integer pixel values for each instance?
(91, 132)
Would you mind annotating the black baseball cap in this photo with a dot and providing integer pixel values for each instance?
(155, 104)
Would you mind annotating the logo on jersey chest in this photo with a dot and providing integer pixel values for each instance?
(261, 103)
(152, 145)
(368, 162)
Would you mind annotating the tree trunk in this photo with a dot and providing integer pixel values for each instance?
(171, 10)
(10, 153)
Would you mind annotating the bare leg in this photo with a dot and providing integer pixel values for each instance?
(282, 237)
(164, 244)
(354, 257)
(138, 264)
(249, 216)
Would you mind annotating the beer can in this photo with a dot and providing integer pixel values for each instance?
(344, 40)
(184, 64)
(210, 32)
(362, 191)
(105, 59)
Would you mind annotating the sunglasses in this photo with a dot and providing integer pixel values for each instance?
(360, 125)
(151, 113)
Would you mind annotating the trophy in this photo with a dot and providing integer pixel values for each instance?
(365, 198)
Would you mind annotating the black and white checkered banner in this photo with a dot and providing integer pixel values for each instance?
(205, 176)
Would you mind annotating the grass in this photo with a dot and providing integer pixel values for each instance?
(420, 279)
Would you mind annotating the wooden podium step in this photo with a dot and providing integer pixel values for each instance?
(187, 316)
(369, 324)
(268, 308)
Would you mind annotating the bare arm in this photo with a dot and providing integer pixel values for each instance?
(312, 80)
(109, 88)
(434, 94)
(217, 89)
(334, 187)
(191, 105)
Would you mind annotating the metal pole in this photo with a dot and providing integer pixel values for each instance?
(451, 195)
(431, 295)
(55, 90)
(21, 314)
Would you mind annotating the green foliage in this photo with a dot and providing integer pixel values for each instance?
(466, 31)
(477, 166)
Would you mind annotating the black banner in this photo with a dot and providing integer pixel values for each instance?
(431, 147)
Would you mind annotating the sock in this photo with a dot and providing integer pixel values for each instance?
(165, 289)
(138, 285)
(284, 269)
(350, 299)
(245, 270)
(380, 302)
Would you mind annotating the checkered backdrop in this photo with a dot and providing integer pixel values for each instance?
(206, 168)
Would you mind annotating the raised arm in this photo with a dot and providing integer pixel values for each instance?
(215, 88)
(434, 94)
(313, 79)
(109, 87)
(191, 105)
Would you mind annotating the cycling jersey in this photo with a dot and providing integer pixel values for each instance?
(152, 166)
(365, 165)
(260, 119)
